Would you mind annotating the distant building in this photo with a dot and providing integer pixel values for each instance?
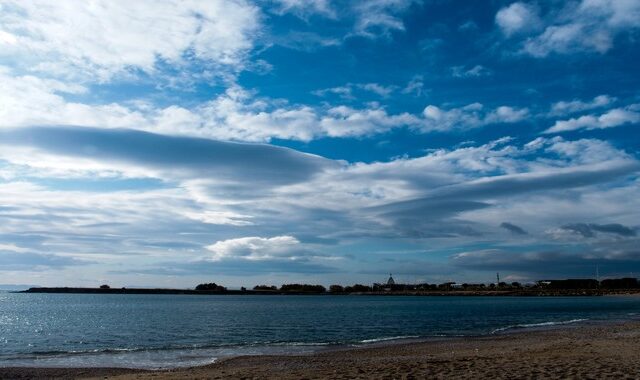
(447, 285)
(388, 286)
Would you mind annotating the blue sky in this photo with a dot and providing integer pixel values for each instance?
(167, 143)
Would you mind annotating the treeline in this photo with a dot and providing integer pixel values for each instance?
(569, 284)
(620, 283)
(360, 288)
(212, 286)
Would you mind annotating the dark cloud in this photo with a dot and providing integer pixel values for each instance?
(513, 228)
(614, 228)
(580, 228)
(419, 229)
(516, 184)
(550, 264)
(430, 218)
(435, 214)
(590, 230)
(426, 208)
(187, 157)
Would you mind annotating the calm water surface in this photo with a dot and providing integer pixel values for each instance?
(159, 331)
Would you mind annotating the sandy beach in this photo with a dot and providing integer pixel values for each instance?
(586, 352)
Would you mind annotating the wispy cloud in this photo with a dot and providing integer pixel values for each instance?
(584, 26)
(612, 118)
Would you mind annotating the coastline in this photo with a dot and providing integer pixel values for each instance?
(522, 292)
(596, 350)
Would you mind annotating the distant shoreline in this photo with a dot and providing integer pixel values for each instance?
(536, 292)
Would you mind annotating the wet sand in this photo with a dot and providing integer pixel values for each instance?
(585, 352)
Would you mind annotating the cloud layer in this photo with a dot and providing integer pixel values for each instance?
(165, 143)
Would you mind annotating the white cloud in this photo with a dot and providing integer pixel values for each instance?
(587, 26)
(378, 18)
(345, 92)
(30, 100)
(567, 39)
(378, 89)
(257, 248)
(102, 38)
(12, 248)
(506, 114)
(475, 71)
(612, 118)
(370, 18)
(343, 121)
(305, 8)
(517, 17)
(220, 217)
(470, 116)
(234, 115)
(7, 38)
(569, 107)
(583, 151)
(415, 86)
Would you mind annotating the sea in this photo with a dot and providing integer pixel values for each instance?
(170, 331)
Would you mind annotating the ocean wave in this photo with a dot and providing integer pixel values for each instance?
(299, 344)
(176, 348)
(385, 339)
(541, 324)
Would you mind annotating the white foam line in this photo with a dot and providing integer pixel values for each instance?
(542, 324)
(388, 338)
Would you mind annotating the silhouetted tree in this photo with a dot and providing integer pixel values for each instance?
(620, 283)
(336, 289)
(358, 288)
(105, 286)
(303, 288)
(264, 287)
(211, 286)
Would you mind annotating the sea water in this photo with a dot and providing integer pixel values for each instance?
(164, 331)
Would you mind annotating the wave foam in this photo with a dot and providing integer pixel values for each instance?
(541, 324)
(384, 339)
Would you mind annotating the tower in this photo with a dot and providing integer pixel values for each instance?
(498, 278)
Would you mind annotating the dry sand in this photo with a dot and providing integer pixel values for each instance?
(587, 352)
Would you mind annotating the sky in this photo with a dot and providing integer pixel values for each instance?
(169, 143)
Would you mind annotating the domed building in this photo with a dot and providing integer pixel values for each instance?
(388, 286)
